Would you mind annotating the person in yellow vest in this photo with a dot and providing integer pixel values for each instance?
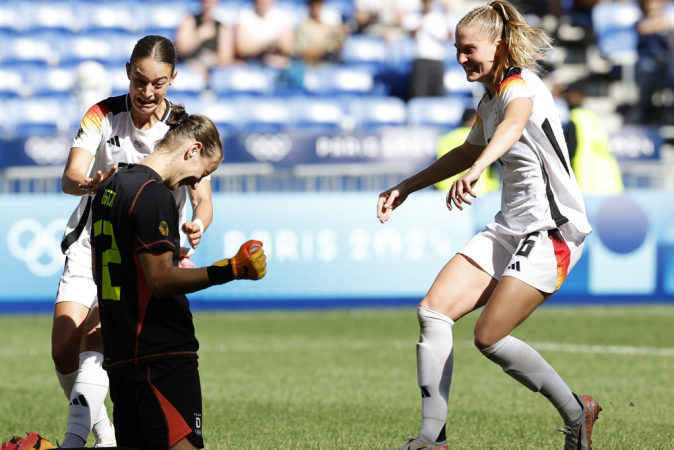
(595, 167)
(490, 179)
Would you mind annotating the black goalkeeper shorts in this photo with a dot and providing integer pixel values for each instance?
(157, 404)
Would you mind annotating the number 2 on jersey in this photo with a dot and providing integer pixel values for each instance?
(110, 255)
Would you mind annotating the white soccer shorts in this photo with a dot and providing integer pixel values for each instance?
(542, 259)
(77, 285)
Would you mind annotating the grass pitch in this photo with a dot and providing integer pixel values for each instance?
(347, 380)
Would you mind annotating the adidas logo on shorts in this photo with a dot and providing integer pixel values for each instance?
(515, 266)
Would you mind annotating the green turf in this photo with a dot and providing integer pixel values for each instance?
(347, 380)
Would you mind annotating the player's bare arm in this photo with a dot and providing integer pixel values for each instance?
(164, 279)
(453, 162)
(202, 205)
(505, 136)
(75, 172)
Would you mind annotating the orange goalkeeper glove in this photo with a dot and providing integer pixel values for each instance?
(250, 263)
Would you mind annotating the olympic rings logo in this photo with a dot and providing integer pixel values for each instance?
(42, 252)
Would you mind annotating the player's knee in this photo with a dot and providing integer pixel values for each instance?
(483, 338)
(65, 358)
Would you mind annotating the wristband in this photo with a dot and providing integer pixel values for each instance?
(220, 274)
(201, 225)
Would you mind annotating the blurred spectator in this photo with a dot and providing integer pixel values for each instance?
(655, 30)
(317, 41)
(384, 17)
(92, 84)
(265, 34)
(490, 178)
(203, 42)
(596, 169)
(430, 34)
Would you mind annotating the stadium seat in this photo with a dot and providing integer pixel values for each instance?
(27, 52)
(161, 18)
(264, 114)
(224, 113)
(52, 82)
(614, 27)
(188, 81)
(456, 83)
(435, 111)
(229, 81)
(11, 19)
(37, 117)
(336, 80)
(366, 51)
(59, 16)
(11, 84)
(120, 81)
(372, 112)
(401, 54)
(76, 49)
(316, 113)
(106, 17)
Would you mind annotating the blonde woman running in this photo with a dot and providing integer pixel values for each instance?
(524, 255)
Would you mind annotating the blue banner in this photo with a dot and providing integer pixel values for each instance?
(329, 249)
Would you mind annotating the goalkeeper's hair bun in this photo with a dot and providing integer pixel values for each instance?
(184, 126)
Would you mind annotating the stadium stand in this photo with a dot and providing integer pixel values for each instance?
(44, 43)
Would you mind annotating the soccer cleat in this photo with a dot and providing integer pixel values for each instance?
(32, 441)
(422, 444)
(579, 434)
(108, 440)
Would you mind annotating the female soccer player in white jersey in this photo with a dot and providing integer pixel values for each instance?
(524, 255)
(117, 130)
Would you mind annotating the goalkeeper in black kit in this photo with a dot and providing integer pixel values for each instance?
(150, 349)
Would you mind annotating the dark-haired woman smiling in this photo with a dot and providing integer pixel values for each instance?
(116, 130)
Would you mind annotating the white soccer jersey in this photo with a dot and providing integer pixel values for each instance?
(540, 191)
(108, 132)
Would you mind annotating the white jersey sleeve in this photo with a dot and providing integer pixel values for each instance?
(511, 88)
(90, 133)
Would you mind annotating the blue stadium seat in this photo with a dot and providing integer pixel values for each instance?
(37, 117)
(27, 52)
(11, 83)
(317, 113)
(401, 55)
(372, 112)
(224, 113)
(12, 20)
(188, 81)
(161, 18)
(120, 81)
(367, 51)
(456, 83)
(614, 27)
(339, 80)
(76, 49)
(106, 17)
(264, 114)
(52, 82)
(434, 111)
(58, 16)
(256, 80)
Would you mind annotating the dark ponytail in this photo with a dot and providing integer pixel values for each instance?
(183, 126)
(157, 48)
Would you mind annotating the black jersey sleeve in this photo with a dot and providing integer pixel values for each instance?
(154, 218)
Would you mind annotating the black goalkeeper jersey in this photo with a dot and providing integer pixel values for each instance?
(132, 213)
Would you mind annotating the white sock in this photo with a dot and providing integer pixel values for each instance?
(527, 366)
(88, 397)
(66, 381)
(435, 362)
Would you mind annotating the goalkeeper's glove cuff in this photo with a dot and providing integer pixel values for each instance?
(220, 274)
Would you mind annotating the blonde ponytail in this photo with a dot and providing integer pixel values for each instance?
(525, 45)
